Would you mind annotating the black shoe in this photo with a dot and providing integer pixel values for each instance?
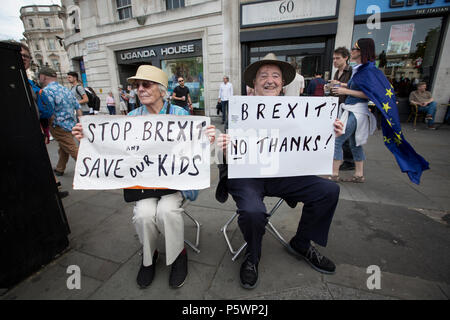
(146, 274)
(179, 270)
(314, 258)
(58, 173)
(249, 274)
(347, 166)
(63, 194)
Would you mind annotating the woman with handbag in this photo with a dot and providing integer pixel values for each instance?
(156, 210)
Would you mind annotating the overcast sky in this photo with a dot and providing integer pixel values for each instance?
(11, 27)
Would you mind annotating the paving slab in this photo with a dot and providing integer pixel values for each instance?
(114, 239)
(391, 285)
(122, 285)
(91, 266)
(51, 284)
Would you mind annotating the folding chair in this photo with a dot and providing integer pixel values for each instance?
(269, 227)
(197, 224)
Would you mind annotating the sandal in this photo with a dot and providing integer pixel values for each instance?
(355, 179)
(334, 178)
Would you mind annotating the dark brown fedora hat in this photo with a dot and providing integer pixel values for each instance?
(287, 70)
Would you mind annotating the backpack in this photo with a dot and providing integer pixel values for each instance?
(45, 107)
(97, 103)
(91, 98)
(318, 91)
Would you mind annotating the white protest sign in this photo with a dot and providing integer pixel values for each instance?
(160, 151)
(281, 136)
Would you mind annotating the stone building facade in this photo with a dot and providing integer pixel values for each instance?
(44, 34)
(108, 39)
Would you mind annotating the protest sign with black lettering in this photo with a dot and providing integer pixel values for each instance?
(160, 151)
(281, 136)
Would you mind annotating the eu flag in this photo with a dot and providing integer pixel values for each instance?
(377, 88)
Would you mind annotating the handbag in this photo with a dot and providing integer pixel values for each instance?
(218, 108)
(132, 195)
(190, 195)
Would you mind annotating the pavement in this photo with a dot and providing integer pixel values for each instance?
(387, 222)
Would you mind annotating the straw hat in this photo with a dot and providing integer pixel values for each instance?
(150, 73)
(287, 70)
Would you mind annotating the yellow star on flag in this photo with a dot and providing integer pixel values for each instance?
(388, 140)
(398, 136)
(389, 123)
(386, 107)
(397, 141)
(389, 93)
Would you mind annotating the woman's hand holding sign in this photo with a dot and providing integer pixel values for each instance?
(77, 131)
(338, 127)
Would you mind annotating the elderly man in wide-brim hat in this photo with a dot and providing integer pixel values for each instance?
(157, 210)
(319, 196)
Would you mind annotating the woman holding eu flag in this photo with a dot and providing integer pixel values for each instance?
(358, 121)
(370, 83)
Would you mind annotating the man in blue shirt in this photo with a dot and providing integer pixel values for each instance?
(64, 103)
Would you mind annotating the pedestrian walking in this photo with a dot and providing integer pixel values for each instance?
(225, 93)
(79, 92)
(65, 105)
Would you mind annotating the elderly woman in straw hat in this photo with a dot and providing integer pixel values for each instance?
(160, 210)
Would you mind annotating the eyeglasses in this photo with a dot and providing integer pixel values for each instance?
(25, 56)
(180, 80)
(145, 84)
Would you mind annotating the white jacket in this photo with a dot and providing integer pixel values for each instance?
(365, 120)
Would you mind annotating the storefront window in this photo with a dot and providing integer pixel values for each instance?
(307, 56)
(191, 69)
(405, 50)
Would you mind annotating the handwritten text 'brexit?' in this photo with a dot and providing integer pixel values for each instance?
(281, 136)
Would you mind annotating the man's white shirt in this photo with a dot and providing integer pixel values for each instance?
(225, 91)
(293, 88)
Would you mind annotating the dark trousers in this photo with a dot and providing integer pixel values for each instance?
(224, 112)
(319, 196)
(112, 109)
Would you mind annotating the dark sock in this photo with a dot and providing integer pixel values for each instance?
(301, 244)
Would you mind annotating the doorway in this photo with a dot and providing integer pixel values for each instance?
(308, 54)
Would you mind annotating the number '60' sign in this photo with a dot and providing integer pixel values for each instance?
(286, 6)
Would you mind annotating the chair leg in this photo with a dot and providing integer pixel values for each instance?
(197, 224)
(197, 237)
(224, 230)
(409, 117)
(276, 234)
(269, 227)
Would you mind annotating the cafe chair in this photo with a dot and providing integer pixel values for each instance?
(269, 227)
(414, 113)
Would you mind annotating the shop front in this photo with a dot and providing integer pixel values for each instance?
(180, 59)
(307, 40)
(408, 41)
